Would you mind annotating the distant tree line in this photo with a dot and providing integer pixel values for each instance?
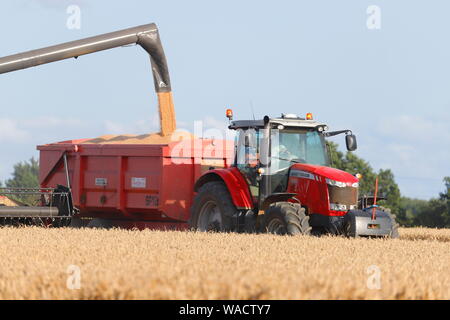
(431, 213)
(409, 212)
(25, 175)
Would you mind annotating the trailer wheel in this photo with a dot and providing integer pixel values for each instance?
(286, 218)
(213, 208)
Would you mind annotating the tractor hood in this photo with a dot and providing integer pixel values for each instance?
(326, 172)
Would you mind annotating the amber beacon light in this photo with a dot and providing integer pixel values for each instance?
(229, 114)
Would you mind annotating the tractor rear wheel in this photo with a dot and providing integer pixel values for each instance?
(213, 209)
(286, 218)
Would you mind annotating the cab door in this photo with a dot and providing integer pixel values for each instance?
(247, 159)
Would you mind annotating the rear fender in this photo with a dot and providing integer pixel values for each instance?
(235, 182)
(278, 197)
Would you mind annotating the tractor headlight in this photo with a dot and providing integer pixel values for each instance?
(335, 183)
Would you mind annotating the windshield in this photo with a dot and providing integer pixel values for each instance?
(297, 146)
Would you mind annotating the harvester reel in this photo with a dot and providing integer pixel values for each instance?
(45, 207)
(51, 222)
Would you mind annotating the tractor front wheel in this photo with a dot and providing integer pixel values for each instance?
(213, 208)
(286, 218)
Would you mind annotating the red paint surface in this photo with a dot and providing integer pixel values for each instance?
(236, 184)
(313, 193)
(169, 172)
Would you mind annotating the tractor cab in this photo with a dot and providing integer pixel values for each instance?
(267, 149)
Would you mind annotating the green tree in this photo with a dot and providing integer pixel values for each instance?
(436, 213)
(389, 189)
(409, 210)
(25, 175)
(446, 195)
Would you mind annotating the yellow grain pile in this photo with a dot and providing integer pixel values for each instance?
(167, 122)
(4, 201)
(152, 138)
(120, 264)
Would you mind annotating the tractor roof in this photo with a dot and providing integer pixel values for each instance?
(285, 120)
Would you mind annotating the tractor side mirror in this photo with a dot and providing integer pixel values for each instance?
(350, 141)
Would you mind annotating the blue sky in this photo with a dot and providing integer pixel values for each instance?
(391, 85)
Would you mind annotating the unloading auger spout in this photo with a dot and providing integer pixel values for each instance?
(147, 36)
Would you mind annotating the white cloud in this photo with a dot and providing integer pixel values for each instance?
(403, 154)
(27, 130)
(211, 122)
(138, 127)
(11, 133)
(51, 122)
(416, 148)
(415, 129)
(19, 137)
(57, 3)
(114, 127)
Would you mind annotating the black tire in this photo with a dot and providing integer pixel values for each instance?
(394, 232)
(250, 222)
(286, 218)
(213, 209)
(349, 229)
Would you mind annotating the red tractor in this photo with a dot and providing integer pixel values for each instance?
(281, 182)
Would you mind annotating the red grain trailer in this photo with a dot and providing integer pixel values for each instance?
(132, 185)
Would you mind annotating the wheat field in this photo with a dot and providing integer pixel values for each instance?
(37, 263)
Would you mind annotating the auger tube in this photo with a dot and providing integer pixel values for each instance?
(147, 36)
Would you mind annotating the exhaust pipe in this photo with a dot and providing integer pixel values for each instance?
(147, 36)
